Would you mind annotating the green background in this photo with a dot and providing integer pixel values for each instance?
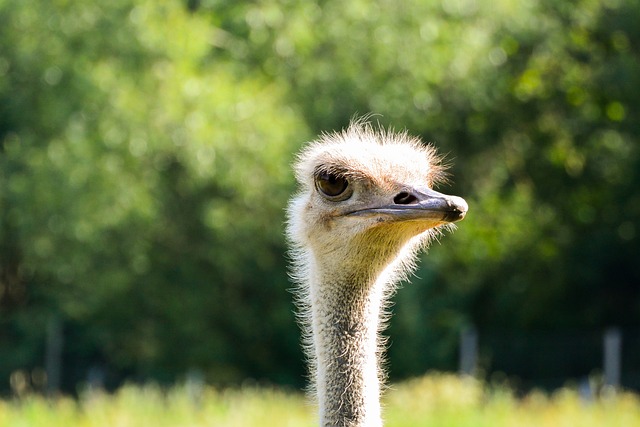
(145, 152)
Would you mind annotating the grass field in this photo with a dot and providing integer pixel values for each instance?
(434, 400)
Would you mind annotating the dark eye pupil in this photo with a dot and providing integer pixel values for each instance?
(332, 185)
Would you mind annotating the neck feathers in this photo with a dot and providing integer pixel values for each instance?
(342, 312)
(341, 296)
(345, 319)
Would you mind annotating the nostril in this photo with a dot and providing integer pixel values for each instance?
(405, 198)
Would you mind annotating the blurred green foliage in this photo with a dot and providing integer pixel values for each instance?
(144, 167)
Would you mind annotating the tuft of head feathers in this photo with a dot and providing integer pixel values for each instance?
(380, 155)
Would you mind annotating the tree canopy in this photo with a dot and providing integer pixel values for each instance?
(144, 169)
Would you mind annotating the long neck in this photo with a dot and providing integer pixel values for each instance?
(345, 314)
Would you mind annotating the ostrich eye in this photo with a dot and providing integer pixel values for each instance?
(333, 187)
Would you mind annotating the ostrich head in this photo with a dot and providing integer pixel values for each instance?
(366, 196)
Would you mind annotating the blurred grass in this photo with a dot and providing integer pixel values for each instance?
(434, 400)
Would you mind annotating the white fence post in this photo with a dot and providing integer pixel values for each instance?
(612, 357)
(468, 351)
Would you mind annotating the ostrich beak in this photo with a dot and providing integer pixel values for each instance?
(420, 204)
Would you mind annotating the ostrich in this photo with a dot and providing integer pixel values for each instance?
(364, 209)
